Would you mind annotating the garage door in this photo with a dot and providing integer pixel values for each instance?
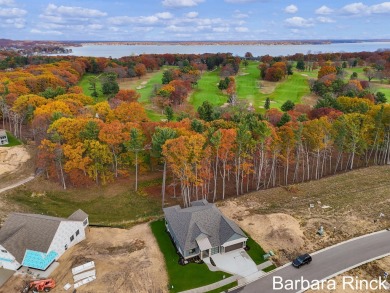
(233, 247)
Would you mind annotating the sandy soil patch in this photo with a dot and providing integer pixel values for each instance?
(277, 232)
(126, 261)
(267, 87)
(11, 158)
(310, 99)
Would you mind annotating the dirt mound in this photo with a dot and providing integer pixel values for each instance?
(273, 231)
(11, 158)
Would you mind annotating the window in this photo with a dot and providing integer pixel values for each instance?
(214, 250)
(5, 251)
(71, 238)
(85, 222)
(66, 246)
(77, 233)
(192, 250)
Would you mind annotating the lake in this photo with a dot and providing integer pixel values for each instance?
(117, 51)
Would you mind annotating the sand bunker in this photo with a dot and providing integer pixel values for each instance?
(11, 158)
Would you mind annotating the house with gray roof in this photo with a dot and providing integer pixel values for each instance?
(36, 241)
(202, 230)
(3, 137)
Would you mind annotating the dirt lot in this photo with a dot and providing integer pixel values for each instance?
(11, 158)
(16, 163)
(346, 205)
(126, 261)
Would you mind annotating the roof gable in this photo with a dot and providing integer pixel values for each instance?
(201, 218)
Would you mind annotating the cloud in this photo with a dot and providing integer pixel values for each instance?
(380, 8)
(192, 14)
(95, 26)
(291, 9)
(240, 1)
(323, 10)
(45, 32)
(14, 22)
(181, 3)
(297, 21)
(324, 19)
(12, 12)
(360, 9)
(241, 15)
(355, 8)
(142, 20)
(7, 2)
(221, 29)
(72, 11)
(241, 29)
(164, 15)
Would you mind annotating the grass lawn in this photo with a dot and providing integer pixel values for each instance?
(182, 277)
(85, 86)
(270, 268)
(12, 141)
(207, 90)
(247, 82)
(293, 88)
(255, 251)
(122, 208)
(147, 91)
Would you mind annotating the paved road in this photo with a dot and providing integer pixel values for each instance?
(328, 263)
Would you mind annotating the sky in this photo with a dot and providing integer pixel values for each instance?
(193, 20)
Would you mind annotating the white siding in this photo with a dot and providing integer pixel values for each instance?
(6, 255)
(66, 230)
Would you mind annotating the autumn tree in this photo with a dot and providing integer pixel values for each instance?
(159, 138)
(135, 145)
(140, 70)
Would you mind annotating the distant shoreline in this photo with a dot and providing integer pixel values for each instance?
(214, 43)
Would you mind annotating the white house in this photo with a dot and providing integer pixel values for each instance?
(3, 137)
(36, 241)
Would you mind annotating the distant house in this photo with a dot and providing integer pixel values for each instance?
(202, 230)
(3, 137)
(36, 241)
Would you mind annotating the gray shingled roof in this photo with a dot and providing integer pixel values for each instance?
(29, 231)
(202, 217)
(78, 215)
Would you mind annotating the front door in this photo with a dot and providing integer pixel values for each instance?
(205, 253)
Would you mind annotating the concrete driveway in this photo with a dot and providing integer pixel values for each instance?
(236, 262)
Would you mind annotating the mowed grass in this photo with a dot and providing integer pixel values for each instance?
(182, 277)
(104, 206)
(247, 82)
(146, 86)
(248, 88)
(207, 90)
(12, 141)
(293, 88)
(84, 84)
(255, 251)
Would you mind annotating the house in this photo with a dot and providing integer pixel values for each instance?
(3, 137)
(36, 241)
(202, 230)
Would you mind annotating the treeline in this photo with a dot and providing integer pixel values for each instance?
(205, 155)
